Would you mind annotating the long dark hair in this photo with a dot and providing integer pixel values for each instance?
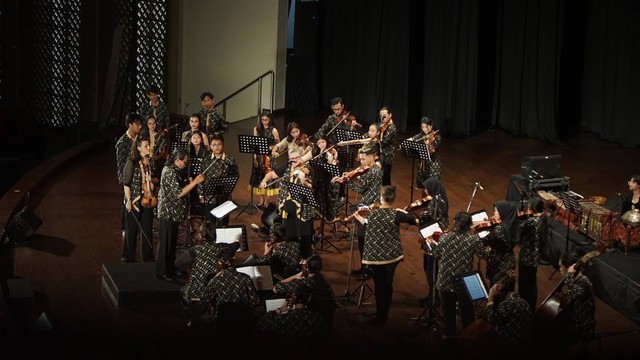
(135, 153)
(462, 222)
(292, 125)
(259, 128)
(177, 154)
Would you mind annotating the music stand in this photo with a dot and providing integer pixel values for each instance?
(426, 231)
(414, 150)
(258, 145)
(523, 190)
(346, 135)
(302, 194)
(571, 205)
(324, 172)
(219, 187)
(176, 138)
(346, 157)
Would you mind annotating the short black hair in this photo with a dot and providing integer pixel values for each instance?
(131, 118)
(153, 89)
(205, 94)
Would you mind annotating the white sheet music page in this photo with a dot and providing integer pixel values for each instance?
(223, 209)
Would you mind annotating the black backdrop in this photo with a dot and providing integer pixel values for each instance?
(545, 69)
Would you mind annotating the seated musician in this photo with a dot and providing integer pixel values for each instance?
(292, 327)
(533, 230)
(297, 217)
(282, 253)
(632, 199)
(372, 135)
(322, 296)
(217, 164)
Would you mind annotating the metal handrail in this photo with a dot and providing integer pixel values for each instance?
(259, 79)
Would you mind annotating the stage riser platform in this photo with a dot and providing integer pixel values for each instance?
(133, 286)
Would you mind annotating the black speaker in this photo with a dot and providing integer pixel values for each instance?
(542, 167)
(22, 226)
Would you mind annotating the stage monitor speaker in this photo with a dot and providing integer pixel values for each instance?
(542, 167)
(22, 226)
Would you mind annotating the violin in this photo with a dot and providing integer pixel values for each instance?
(525, 213)
(363, 211)
(384, 127)
(418, 203)
(485, 224)
(161, 150)
(266, 164)
(149, 200)
(355, 172)
(349, 119)
(303, 141)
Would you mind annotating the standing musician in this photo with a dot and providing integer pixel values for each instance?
(340, 119)
(368, 182)
(373, 135)
(214, 165)
(383, 248)
(194, 125)
(437, 209)
(533, 229)
(388, 133)
(432, 138)
(212, 122)
(262, 164)
(455, 251)
(172, 210)
(155, 108)
(123, 152)
(138, 181)
(157, 144)
(502, 238)
(298, 217)
(327, 192)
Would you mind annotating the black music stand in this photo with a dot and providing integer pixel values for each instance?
(176, 138)
(324, 172)
(257, 145)
(432, 314)
(346, 158)
(346, 135)
(193, 169)
(523, 190)
(221, 188)
(414, 150)
(572, 206)
(302, 194)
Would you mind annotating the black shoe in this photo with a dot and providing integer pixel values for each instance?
(165, 277)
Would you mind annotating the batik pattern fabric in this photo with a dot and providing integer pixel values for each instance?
(382, 243)
(304, 211)
(123, 152)
(160, 112)
(204, 268)
(530, 240)
(579, 293)
(213, 122)
(329, 124)
(501, 256)
(455, 253)
(511, 320)
(426, 168)
(170, 206)
(212, 168)
(259, 172)
(368, 185)
(133, 177)
(387, 144)
(286, 252)
(231, 286)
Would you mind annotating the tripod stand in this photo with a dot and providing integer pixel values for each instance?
(430, 312)
(348, 295)
(324, 172)
(414, 150)
(572, 207)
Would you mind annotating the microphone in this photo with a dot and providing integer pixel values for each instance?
(477, 184)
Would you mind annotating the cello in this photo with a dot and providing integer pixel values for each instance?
(552, 316)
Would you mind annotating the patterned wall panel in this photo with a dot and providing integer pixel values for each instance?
(151, 47)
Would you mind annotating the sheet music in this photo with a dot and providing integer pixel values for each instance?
(272, 304)
(229, 235)
(223, 209)
(481, 216)
(260, 275)
(427, 231)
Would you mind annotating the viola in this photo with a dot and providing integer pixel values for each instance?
(149, 200)
(418, 203)
(525, 213)
(356, 172)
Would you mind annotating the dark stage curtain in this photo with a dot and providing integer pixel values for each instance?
(545, 69)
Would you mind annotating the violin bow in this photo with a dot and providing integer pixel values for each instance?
(339, 122)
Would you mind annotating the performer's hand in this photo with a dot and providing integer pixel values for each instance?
(128, 205)
(199, 179)
(492, 292)
(263, 184)
(275, 154)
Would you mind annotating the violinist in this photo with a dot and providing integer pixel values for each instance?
(123, 153)
(533, 231)
(437, 209)
(262, 164)
(367, 183)
(388, 134)
(295, 140)
(216, 164)
(340, 119)
(455, 251)
(373, 135)
(155, 108)
(298, 217)
(139, 181)
(157, 143)
(194, 125)
(383, 249)
(322, 296)
(323, 188)
(509, 317)
(432, 138)
(282, 253)
(502, 238)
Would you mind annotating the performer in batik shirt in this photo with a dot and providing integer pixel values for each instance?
(297, 217)
(217, 164)
(139, 173)
(213, 123)
(455, 251)
(502, 238)
(195, 126)
(432, 138)
(388, 134)
(156, 108)
(578, 291)
(383, 248)
(533, 229)
(262, 164)
(340, 117)
(172, 210)
(282, 253)
(123, 151)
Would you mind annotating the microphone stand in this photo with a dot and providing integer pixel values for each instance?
(473, 194)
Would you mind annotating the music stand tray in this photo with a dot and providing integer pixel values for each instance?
(220, 186)
(346, 135)
(302, 194)
(415, 149)
(258, 145)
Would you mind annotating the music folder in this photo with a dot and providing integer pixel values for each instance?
(427, 230)
(477, 216)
